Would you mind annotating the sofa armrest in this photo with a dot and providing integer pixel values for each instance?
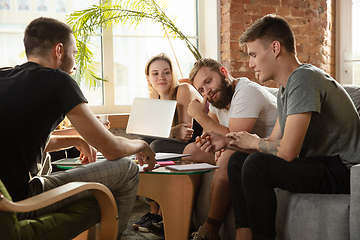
(355, 202)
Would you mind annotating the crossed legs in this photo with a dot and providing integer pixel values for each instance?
(120, 176)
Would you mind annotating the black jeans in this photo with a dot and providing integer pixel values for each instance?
(253, 179)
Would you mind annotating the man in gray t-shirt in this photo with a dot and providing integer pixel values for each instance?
(313, 144)
(334, 125)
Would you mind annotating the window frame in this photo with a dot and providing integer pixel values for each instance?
(344, 71)
(208, 29)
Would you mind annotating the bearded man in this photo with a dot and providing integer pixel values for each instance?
(236, 104)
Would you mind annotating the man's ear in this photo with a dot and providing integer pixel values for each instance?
(224, 71)
(276, 47)
(59, 51)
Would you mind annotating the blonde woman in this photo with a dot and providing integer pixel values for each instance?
(163, 84)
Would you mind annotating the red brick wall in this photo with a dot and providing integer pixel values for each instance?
(313, 22)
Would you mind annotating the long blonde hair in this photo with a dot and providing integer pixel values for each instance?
(175, 83)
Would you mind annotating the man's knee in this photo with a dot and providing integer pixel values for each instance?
(254, 166)
(190, 149)
(122, 170)
(236, 161)
(157, 145)
(197, 155)
(133, 170)
(255, 160)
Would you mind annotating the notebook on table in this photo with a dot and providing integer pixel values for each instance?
(151, 118)
(72, 162)
(191, 167)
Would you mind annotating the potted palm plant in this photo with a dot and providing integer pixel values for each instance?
(86, 22)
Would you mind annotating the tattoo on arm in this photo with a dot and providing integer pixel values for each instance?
(269, 147)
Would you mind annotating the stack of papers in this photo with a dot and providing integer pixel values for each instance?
(191, 167)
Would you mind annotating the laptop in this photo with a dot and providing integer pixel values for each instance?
(151, 118)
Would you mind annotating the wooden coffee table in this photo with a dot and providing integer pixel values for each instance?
(175, 192)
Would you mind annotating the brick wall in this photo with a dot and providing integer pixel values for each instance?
(313, 22)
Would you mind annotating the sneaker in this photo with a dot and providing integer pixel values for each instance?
(201, 234)
(155, 219)
(156, 228)
(144, 219)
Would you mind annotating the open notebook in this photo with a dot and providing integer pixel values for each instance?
(151, 118)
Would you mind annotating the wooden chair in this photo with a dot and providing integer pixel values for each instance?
(66, 223)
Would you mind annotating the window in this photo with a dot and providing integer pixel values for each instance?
(348, 37)
(121, 52)
(16, 15)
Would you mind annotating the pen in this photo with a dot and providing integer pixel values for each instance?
(199, 139)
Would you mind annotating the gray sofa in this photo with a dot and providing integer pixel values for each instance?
(302, 216)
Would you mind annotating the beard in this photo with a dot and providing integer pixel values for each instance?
(66, 63)
(225, 93)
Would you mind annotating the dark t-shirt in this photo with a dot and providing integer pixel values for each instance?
(33, 101)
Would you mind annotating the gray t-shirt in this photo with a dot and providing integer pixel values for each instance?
(250, 100)
(334, 126)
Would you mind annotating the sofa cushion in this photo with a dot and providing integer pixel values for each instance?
(66, 223)
(312, 216)
(9, 225)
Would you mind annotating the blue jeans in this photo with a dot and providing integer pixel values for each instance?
(253, 179)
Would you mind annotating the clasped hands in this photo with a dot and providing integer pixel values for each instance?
(237, 141)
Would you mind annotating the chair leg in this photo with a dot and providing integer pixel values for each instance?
(89, 234)
(92, 233)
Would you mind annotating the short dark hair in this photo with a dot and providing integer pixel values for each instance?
(204, 62)
(268, 29)
(43, 33)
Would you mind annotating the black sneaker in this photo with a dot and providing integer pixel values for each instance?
(156, 228)
(154, 219)
(144, 219)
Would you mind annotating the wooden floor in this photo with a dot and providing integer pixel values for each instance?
(130, 233)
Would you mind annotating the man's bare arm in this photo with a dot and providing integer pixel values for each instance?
(269, 147)
(289, 146)
(112, 147)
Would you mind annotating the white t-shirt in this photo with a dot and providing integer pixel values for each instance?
(250, 100)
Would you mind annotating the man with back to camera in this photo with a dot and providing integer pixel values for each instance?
(235, 105)
(313, 145)
(38, 95)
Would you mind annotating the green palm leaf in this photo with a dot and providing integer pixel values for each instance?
(86, 23)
